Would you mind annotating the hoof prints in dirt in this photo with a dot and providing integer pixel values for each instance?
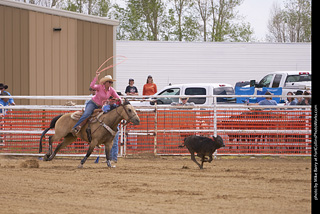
(29, 164)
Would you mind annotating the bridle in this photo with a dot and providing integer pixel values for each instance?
(129, 120)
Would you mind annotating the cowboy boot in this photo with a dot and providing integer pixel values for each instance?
(76, 130)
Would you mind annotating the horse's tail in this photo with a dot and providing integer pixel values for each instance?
(52, 125)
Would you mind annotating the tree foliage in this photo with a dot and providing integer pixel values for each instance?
(291, 23)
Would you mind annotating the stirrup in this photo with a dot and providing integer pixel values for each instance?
(75, 131)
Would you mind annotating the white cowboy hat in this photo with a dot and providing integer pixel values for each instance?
(106, 78)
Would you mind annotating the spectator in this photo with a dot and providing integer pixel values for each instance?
(184, 102)
(299, 99)
(131, 90)
(92, 93)
(291, 100)
(149, 88)
(4, 101)
(3, 88)
(268, 101)
(114, 149)
(110, 104)
(306, 100)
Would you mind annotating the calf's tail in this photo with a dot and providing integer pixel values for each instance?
(52, 125)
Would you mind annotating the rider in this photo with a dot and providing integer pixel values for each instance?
(103, 92)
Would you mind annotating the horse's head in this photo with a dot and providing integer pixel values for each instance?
(129, 113)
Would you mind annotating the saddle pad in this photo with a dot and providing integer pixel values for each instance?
(77, 114)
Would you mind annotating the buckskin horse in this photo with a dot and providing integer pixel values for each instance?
(103, 131)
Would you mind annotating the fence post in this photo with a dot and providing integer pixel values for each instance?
(215, 116)
(155, 135)
(215, 122)
(121, 139)
(124, 141)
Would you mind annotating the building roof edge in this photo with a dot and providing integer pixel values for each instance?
(58, 12)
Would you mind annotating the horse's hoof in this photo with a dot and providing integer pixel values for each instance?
(109, 163)
(46, 157)
(80, 166)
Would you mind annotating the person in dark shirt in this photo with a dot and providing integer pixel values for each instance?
(131, 89)
(305, 100)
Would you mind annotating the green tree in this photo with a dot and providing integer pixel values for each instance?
(291, 23)
(132, 26)
(226, 24)
(74, 5)
(205, 12)
(103, 8)
(184, 23)
(151, 11)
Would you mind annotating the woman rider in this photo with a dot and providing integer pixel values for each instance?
(103, 92)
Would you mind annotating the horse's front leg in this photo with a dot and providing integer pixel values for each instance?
(90, 150)
(107, 150)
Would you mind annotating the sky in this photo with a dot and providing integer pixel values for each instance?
(257, 12)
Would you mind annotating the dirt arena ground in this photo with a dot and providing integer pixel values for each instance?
(147, 184)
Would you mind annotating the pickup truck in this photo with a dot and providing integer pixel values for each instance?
(288, 80)
(195, 89)
(190, 89)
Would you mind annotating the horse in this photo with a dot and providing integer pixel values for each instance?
(103, 131)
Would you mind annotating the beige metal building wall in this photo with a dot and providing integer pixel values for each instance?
(95, 45)
(37, 60)
(14, 50)
(53, 55)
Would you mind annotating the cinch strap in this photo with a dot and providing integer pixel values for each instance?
(113, 133)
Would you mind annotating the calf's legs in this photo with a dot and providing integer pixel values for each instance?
(193, 158)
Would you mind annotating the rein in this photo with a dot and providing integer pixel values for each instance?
(128, 121)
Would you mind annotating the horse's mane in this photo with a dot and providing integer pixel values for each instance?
(126, 102)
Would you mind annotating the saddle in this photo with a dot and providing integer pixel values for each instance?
(92, 119)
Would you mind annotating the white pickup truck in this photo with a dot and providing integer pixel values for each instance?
(191, 89)
(288, 80)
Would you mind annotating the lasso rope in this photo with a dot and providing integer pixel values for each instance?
(119, 58)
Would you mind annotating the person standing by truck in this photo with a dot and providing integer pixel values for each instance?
(131, 90)
(149, 88)
(291, 100)
(306, 100)
(268, 101)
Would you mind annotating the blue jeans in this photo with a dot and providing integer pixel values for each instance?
(90, 107)
(114, 149)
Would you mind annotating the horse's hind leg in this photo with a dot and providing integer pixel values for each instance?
(66, 141)
(49, 153)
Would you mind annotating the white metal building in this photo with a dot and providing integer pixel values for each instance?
(199, 62)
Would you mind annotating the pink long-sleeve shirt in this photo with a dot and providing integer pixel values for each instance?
(101, 94)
